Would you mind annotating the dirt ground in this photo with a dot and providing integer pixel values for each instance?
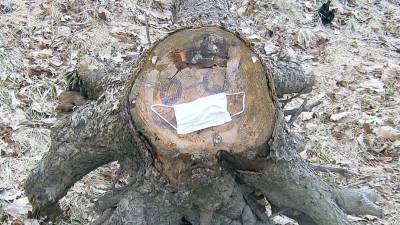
(356, 61)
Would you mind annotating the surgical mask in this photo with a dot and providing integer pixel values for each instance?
(201, 113)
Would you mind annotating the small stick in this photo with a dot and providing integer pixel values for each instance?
(341, 171)
(116, 179)
(306, 108)
(146, 18)
(286, 101)
(296, 113)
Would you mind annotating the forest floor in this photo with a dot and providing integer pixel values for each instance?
(356, 61)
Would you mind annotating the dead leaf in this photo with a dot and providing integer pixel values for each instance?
(43, 45)
(338, 135)
(68, 100)
(367, 128)
(9, 195)
(24, 99)
(388, 133)
(373, 84)
(342, 83)
(102, 14)
(361, 141)
(371, 218)
(107, 175)
(17, 221)
(5, 134)
(125, 37)
(355, 218)
(339, 116)
(19, 207)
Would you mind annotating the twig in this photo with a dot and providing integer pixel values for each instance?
(306, 108)
(341, 171)
(146, 18)
(286, 101)
(296, 112)
(116, 179)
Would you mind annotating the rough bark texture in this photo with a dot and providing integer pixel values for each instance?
(93, 135)
(98, 133)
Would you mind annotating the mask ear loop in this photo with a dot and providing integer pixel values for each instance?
(158, 114)
(243, 105)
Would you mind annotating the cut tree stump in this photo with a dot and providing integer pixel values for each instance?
(216, 175)
(195, 63)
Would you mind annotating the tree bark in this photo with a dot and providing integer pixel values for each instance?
(103, 130)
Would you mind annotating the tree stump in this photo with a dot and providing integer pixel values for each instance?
(213, 175)
(195, 63)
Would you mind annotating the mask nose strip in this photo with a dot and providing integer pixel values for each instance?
(158, 114)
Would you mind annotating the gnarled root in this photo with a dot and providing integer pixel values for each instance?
(219, 202)
(306, 198)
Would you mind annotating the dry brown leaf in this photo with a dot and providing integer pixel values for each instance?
(43, 45)
(68, 100)
(388, 133)
(338, 116)
(5, 134)
(338, 135)
(102, 14)
(107, 175)
(17, 221)
(367, 128)
(125, 37)
(24, 99)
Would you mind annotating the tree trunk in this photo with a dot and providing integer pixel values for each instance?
(202, 177)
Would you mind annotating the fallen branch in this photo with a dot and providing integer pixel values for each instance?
(294, 113)
(284, 102)
(358, 201)
(341, 171)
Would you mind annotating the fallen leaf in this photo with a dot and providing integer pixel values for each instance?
(339, 116)
(338, 134)
(367, 128)
(68, 100)
(102, 14)
(19, 207)
(370, 217)
(355, 218)
(5, 134)
(17, 221)
(283, 220)
(305, 116)
(24, 99)
(361, 141)
(388, 133)
(31, 222)
(9, 195)
(64, 31)
(107, 175)
(373, 84)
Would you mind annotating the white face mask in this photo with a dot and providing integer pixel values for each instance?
(201, 113)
